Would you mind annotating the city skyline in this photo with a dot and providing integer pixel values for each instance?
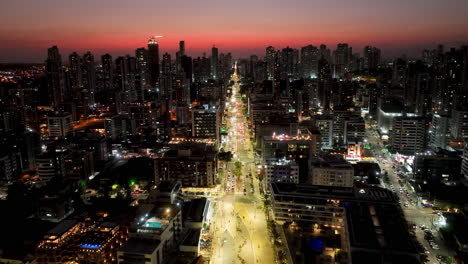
(241, 132)
(397, 28)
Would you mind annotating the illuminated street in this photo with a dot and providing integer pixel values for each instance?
(414, 213)
(239, 225)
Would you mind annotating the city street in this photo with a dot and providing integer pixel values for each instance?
(415, 213)
(239, 226)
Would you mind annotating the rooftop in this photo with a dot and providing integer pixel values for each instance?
(379, 228)
(296, 192)
(62, 227)
(195, 209)
(155, 218)
(192, 238)
(140, 246)
(331, 161)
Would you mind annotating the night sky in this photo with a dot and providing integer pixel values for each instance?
(28, 27)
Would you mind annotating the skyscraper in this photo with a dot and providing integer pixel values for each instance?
(187, 67)
(214, 62)
(153, 61)
(107, 72)
(141, 55)
(89, 76)
(166, 77)
(252, 65)
(342, 57)
(289, 60)
(439, 132)
(125, 75)
(166, 64)
(324, 52)
(55, 79)
(75, 71)
(201, 69)
(309, 61)
(324, 83)
(270, 61)
(182, 47)
(371, 58)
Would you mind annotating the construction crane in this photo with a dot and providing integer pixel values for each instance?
(154, 39)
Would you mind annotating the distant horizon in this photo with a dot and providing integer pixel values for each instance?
(243, 27)
(412, 52)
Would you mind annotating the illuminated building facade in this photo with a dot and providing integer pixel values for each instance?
(153, 234)
(459, 124)
(331, 170)
(354, 151)
(283, 170)
(191, 166)
(305, 203)
(59, 124)
(301, 145)
(324, 124)
(438, 134)
(81, 242)
(205, 122)
(408, 134)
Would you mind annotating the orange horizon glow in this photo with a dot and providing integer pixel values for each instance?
(244, 27)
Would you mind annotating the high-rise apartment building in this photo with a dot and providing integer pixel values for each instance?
(89, 77)
(205, 122)
(309, 61)
(371, 58)
(55, 77)
(214, 63)
(153, 61)
(75, 75)
(408, 134)
(59, 124)
(107, 72)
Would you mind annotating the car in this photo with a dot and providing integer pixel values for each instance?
(406, 204)
(426, 251)
(428, 237)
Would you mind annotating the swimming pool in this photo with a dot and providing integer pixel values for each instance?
(153, 224)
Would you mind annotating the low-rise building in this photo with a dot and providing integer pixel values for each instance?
(323, 205)
(369, 223)
(304, 144)
(153, 234)
(192, 166)
(281, 170)
(81, 242)
(331, 170)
